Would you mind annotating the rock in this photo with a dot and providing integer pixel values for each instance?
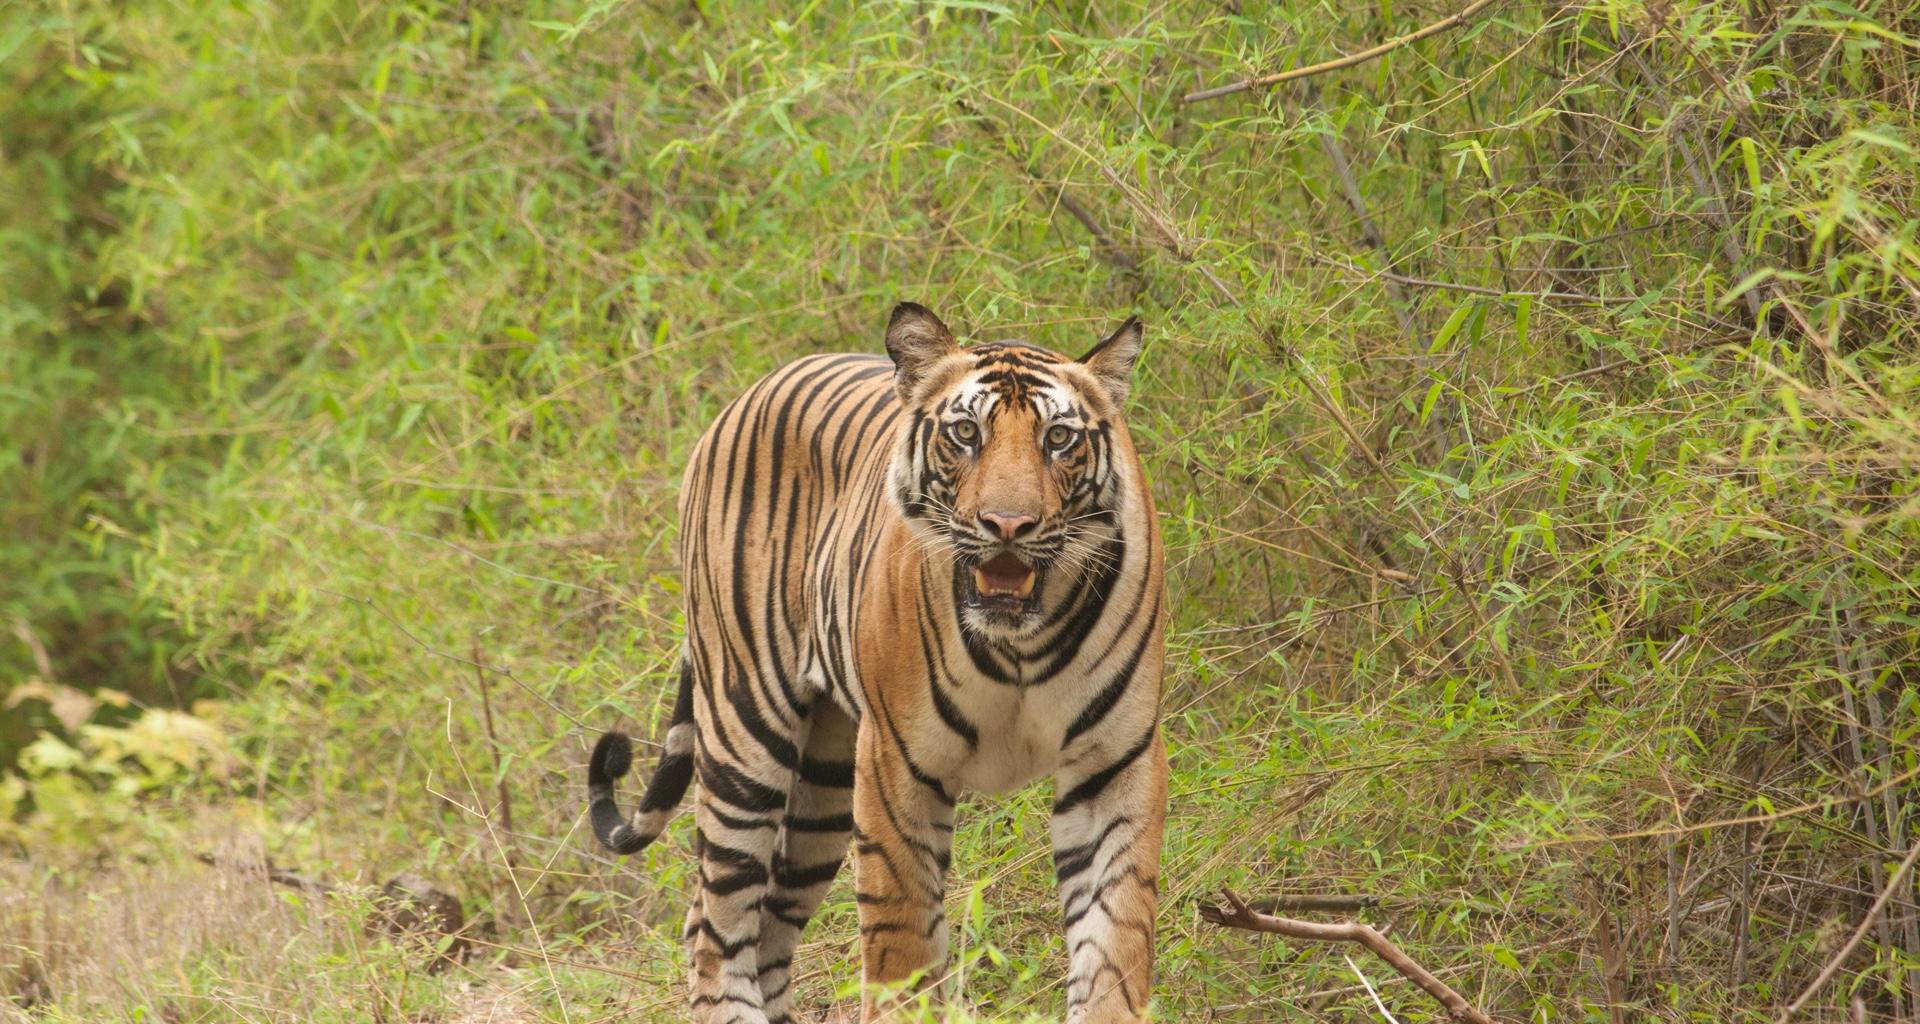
(409, 906)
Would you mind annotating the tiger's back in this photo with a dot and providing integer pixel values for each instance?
(784, 469)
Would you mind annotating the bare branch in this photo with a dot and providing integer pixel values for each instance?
(1238, 915)
(1475, 289)
(1262, 82)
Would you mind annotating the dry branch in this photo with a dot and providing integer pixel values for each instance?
(1853, 941)
(1263, 81)
(1237, 914)
(1109, 249)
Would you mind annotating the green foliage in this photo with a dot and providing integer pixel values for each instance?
(1561, 492)
(84, 790)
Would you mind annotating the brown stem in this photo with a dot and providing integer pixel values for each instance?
(1111, 251)
(1673, 902)
(493, 741)
(1370, 53)
(1237, 914)
(1475, 289)
(1744, 908)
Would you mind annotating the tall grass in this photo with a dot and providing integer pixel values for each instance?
(1529, 409)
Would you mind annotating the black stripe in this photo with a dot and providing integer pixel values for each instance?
(790, 877)
(729, 784)
(748, 869)
(1103, 702)
(948, 712)
(837, 774)
(1070, 861)
(1097, 783)
(728, 950)
(824, 823)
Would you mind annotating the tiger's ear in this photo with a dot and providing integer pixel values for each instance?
(916, 339)
(1112, 360)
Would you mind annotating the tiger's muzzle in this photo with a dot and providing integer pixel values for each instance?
(1004, 567)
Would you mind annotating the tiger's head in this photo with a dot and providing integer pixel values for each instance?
(1015, 460)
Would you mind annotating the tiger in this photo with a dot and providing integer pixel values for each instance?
(907, 578)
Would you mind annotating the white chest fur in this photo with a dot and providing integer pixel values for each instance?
(1019, 732)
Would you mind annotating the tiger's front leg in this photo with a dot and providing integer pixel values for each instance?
(1108, 816)
(903, 837)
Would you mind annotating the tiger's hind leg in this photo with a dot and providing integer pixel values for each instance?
(813, 842)
(745, 765)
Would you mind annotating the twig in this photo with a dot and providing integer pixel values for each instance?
(1374, 237)
(1673, 901)
(1108, 248)
(1701, 171)
(1611, 961)
(1893, 808)
(1853, 941)
(1582, 298)
(1112, 251)
(1709, 193)
(1316, 1000)
(1372, 52)
(1743, 909)
(42, 662)
(1367, 983)
(1403, 309)
(1238, 915)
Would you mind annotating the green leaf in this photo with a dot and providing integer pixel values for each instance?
(1750, 156)
(1426, 405)
(1451, 327)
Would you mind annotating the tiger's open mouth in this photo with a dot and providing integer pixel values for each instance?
(1004, 582)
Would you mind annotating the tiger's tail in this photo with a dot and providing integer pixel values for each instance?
(613, 755)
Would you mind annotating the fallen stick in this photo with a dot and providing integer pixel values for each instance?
(280, 876)
(1238, 915)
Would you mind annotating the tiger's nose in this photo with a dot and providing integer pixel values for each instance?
(1008, 525)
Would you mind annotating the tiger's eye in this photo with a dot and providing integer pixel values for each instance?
(966, 431)
(1059, 435)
